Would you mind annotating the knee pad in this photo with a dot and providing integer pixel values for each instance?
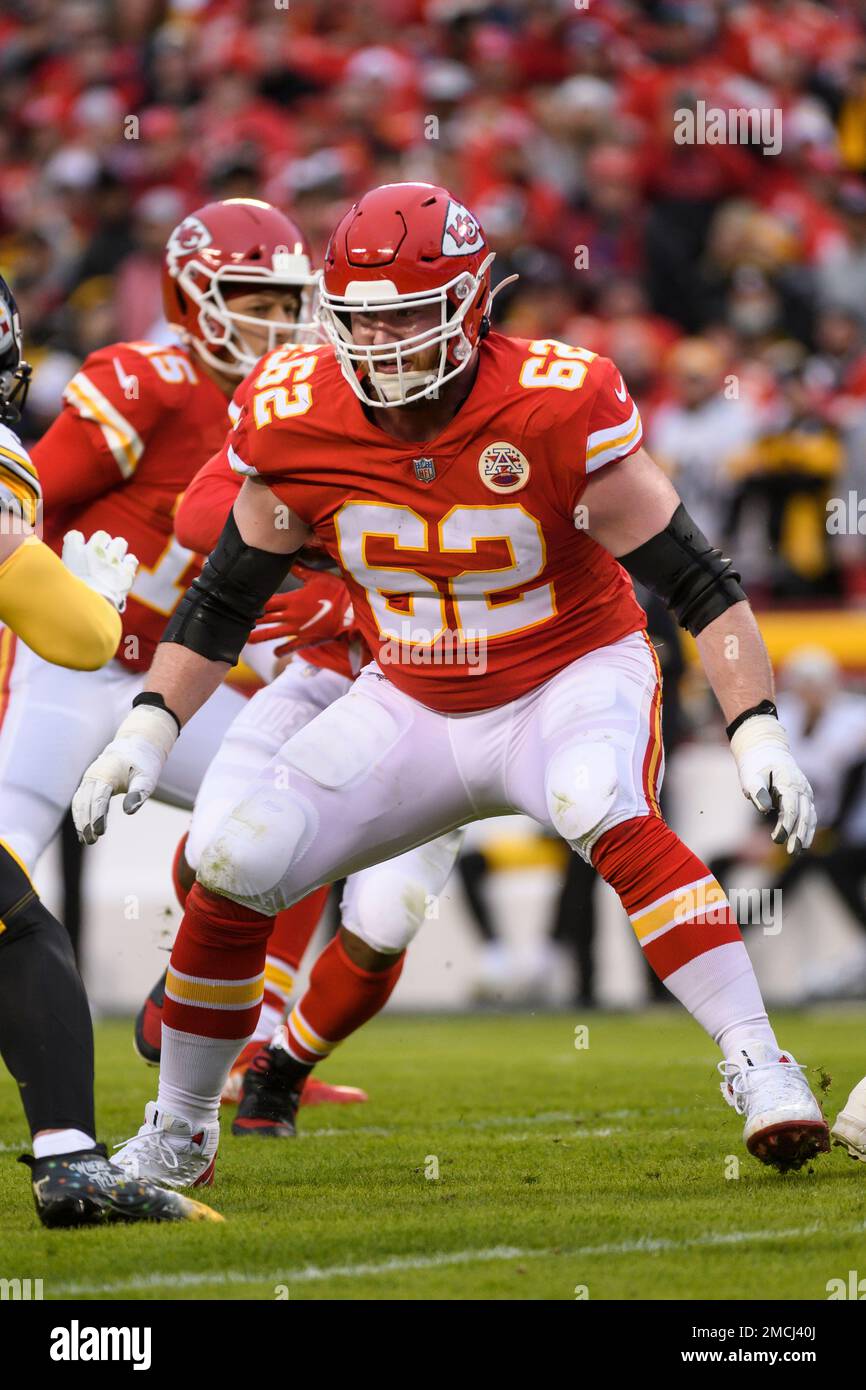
(251, 857)
(387, 904)
(343, 743)
(581, 789)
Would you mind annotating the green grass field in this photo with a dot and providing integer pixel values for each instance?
(606, 1167)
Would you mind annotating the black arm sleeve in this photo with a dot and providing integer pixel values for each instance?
(217, 613)
(681, 567)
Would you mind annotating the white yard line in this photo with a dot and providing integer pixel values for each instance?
(491, 1122)
(555, 1117)
(396, 1264)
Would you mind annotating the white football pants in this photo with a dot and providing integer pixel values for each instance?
(56, 721)
(377, 773)
(385, 904)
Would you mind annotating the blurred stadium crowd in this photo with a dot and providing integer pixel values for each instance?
(727, 282)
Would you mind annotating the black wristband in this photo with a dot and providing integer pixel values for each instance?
(151, 697)
(765, 707)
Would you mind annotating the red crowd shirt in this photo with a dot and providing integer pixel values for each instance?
(471, 577)
(138, 421)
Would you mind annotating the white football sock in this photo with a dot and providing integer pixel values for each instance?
(721, 992)
(855, 1105)
(63, 1141)
(192, 1073)
(270, 1019)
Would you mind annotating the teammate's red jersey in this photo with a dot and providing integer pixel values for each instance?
(199, 520)
(472, 578)
(138, 421)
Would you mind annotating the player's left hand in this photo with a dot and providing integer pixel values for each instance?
(772, 781)
(318, 612)
(102, 563)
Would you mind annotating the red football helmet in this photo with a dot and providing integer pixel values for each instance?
(406, 246)
(229, 247)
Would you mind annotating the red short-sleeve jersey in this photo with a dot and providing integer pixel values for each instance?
(138, 421)
(471, 573)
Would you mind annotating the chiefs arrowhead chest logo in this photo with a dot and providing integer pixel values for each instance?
(503, 468)
(462, 234)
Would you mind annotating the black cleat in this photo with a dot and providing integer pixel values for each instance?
(85, 1189)
(270, 1097)
(148, 1024)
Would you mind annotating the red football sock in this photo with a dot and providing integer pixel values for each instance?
(685, 926)
(676, 907)
(216, 973)
(290, 937)
(340, 997)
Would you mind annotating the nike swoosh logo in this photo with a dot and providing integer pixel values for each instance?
(325, 606)
(622, 395)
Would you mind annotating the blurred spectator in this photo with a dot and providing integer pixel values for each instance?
(702, 429)
(556, 124)
(783, 482)
(842, 278)
(139, 279)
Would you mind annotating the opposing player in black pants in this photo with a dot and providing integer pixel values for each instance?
(46, 1036)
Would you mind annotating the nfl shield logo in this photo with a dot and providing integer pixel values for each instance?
(425, 470)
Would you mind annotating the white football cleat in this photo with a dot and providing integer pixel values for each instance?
(167, 1151)
(850, 1127)
(785, 1125)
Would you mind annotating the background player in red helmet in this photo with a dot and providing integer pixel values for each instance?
(138, 420)
(499, 506)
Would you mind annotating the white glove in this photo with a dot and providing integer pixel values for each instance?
(131, 763)
(102, 563)
(771, 780)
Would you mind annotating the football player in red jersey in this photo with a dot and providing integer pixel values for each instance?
(487, 499)
(139, 420)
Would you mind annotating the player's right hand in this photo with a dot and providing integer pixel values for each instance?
(102, 563)
(132, 763)
(317, 612)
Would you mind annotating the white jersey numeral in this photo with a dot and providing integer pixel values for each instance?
(410, 607)
(161, 585)
(555, 364)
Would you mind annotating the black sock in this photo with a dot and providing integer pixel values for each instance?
(46, 1034)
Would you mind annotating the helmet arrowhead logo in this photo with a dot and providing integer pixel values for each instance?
(462, 234)
(189, 235)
